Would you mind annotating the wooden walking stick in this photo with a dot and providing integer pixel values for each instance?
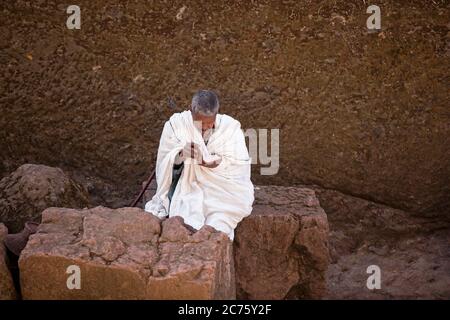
(147, 183)
(172, 105)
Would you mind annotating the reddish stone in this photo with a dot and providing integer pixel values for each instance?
(7, 290)
(281, 249)
(125, 253)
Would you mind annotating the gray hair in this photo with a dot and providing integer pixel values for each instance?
(205, 102)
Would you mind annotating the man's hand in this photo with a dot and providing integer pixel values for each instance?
(213, 164)
(192, 150)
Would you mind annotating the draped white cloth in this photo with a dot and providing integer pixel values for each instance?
(220, 197)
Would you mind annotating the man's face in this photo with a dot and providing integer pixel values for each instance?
(206, 122)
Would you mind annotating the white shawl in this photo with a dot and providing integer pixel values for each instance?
(220, 197)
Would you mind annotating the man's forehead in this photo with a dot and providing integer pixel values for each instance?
(201, 117)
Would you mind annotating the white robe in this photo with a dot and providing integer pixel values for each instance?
(220, 197)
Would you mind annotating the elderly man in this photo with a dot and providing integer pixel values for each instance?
(203, 168)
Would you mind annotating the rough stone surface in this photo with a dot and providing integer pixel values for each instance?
(281, 249)
(417, 267)
(363, 113)
(26, 192)
(412, 251)
(125, 254)
(7, 290)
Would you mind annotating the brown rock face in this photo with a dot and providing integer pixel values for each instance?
(366, 114)
(30, 189)
(412, 251)
(281, 249)
(7, 290)
(125, 253)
